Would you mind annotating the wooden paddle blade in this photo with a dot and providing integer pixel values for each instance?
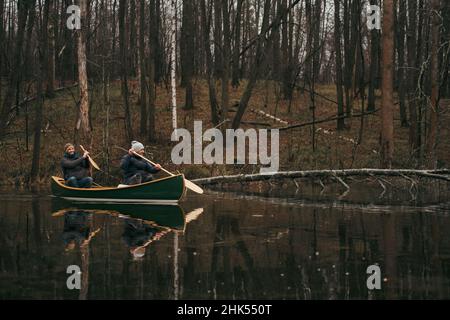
(93, 163)
(192, 186)
(194, 214)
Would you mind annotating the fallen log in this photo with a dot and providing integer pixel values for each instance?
(33, 98)
(299, 125)
(442, 174)
(269, 116)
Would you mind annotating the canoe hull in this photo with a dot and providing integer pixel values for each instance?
(162, 191)
(167, 216)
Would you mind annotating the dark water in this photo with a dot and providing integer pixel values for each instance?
(220, 246)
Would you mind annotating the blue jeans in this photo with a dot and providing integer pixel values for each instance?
(138, 178)
(79, 183)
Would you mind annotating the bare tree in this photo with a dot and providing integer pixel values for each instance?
(187, 51)
(124, 68)
(43, 65)
(83, 119)
(338, 56)
(153, 49)
(225, 59)
(400, 45)
(412, 76)
(235, 77)
(13, 83)
(142, 73)
(387, 99)
(434, 100)
(209, 64)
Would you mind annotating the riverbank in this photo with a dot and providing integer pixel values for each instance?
(355, 147)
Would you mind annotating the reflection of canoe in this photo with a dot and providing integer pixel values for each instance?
(164, 216)
(167, 190)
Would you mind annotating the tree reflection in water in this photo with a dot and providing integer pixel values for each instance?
(236, 248)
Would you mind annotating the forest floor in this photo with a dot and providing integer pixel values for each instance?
(333, 150)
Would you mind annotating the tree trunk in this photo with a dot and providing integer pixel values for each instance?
(114, 39)
(23, 8)
(158, 50)
(173, 62)
(43, 66)
(237, 40)
(51, 57)
(276, 59)
(400, 32)
(285, 53)
(83, 120)
(218, 64)
(124, 68)
(374, 62)
(260, 57)
(133, 39)
(387, 101)
(316, 38)
(2, 39)
(412, 77)
(309, 36)
(225, 60)
(434, 101)
(187, 42)
(142, 73)
(338, 56)
(243, 103)
(152, 69)
(209, 65)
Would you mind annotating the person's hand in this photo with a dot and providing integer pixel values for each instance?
(158, 166)
(85, 155)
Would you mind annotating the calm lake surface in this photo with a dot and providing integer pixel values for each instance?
(224, 246)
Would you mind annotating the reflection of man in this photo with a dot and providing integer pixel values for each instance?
(137, 234)
(76, 228)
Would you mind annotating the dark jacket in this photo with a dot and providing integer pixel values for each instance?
(74, 166)
(132, 165)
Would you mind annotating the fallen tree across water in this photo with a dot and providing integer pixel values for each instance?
(338, 175)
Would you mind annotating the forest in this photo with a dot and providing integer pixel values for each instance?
(349, 83)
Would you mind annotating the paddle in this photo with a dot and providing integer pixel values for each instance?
(189, 184)
(92, 162)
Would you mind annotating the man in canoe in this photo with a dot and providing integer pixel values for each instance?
(135, 169)
(76, 168)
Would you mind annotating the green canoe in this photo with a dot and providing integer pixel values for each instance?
(171, 216)
(167, 190)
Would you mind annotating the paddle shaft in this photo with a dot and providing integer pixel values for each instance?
(151, 162)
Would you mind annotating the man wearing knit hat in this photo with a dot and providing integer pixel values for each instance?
(135, 169)
(76, 168)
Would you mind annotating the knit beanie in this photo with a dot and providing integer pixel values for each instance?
(136, 146)
(67, 146)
